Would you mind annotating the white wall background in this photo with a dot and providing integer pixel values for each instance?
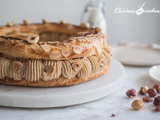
(121, 27)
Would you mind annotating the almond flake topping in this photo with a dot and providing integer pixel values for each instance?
(66, 52)
(46, 47)
(55, 54)
(36, 48)
(77, 49)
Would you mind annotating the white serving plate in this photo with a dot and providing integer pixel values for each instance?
(154, 73)
(29, 97)
(137, 56)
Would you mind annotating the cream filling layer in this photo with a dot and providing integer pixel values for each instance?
(34, 70)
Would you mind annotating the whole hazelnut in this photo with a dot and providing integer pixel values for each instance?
(143, 90)
(152, 92)
(157, 108)
(33, 38)
(147, 99)
(10, 24)
(156, 101)
(137, 104)
(85, 25)
(25, 22)
(157, 87)
(62, 22)
(131, 93)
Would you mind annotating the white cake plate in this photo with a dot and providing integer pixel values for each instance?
(137, 56)
(29, 97)
(154, 73)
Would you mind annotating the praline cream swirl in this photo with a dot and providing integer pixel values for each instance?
(33, 69)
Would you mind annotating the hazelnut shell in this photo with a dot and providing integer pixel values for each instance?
(152, 92)
(131, 93)
(156, 101)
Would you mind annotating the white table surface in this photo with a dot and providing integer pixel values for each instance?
(117, 103)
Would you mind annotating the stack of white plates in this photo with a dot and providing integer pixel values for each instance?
(140, 56)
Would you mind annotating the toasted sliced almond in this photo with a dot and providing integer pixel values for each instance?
(33, 38)
(77, 49)
(17, 66)
(66, 44)
(81, 39)
(46, 47)
(36, 48)
(89, 39)
(66, 52)
(99, 49)
(85, 25)
(83, 33)
(25, 22)
(44, 21)
(49, 70)
(55, 54)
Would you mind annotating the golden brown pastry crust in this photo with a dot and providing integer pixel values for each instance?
(30, 60)
(54, 83)
(19, 46)
(16, 48)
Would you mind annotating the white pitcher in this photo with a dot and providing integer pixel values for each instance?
(94, 14)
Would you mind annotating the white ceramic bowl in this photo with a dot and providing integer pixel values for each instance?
(154, 73)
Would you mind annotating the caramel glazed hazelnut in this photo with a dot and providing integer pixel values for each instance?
(52, 54)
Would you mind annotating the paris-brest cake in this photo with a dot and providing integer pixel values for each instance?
(52, 54)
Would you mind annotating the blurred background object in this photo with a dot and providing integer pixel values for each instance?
(94, 14)
(120, 27)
